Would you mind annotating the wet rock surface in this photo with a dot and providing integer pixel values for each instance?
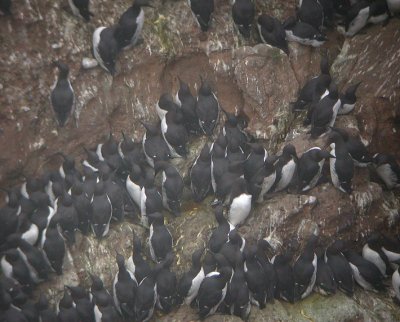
(256, 80)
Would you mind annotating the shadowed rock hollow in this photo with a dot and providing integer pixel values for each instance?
(255, 80)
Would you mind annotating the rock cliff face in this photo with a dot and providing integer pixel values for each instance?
(255, 80)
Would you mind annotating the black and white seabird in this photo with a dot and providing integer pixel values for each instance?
(200, 175)
(9, 216)
(202, 11)
(356, 18)
(207, 108)
(394, 6)
(303, 33)
(66, 309)
(80, 8)
(233, 130)
(150, 200)
(130, 151)
(396, 283)
(13, 266)
(27, 229)
(131, 22)
(325, 282)
(238, 293)
(154, 146)
(124, 289)
(325, 111)
(228, 181)
(314, 88)
(165, 104)
(310, 167)
(240, 203)
(212, 291)
(356, 148)
(8, 311)
(174, 132)
(67, 217)
(328, 7)
(101, 211)
(68, 171)
(348, 99)
(262, 181)
(134, 183)
(255, 277)
(97, 289)
(53, 246)
(166, 285)
(378, 12)
(187, 102)
(46, 313)
(108, 152)
(233, 247)
(83, 303)
(82, 205)
(106, 46)
(62, 95)
(219, 235)
(104, 309)
(172, 186)
(34, 259)
(219, 162)
(342, 165)
(272, 32)
(391, 248)
(255, 160)
(340, 267)
(373, 252)
(285, 288)
(146, 295)
(135, 263)
(160, 239)
(116, 194)
(189, 283)
(234, 152)
(243, 12)
(285, 168)
(311, 12)
(388, 169)
(305, 270)
(269, 271)
(365, 273)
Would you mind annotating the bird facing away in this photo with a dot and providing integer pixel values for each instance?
(62, 95)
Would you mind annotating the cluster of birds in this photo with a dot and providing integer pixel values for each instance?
(306, 28)
(227, 278)
(42, 215)
(40, 218)
(312, 16)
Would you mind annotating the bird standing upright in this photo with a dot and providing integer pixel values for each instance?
(62, 95)
(132, 21)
